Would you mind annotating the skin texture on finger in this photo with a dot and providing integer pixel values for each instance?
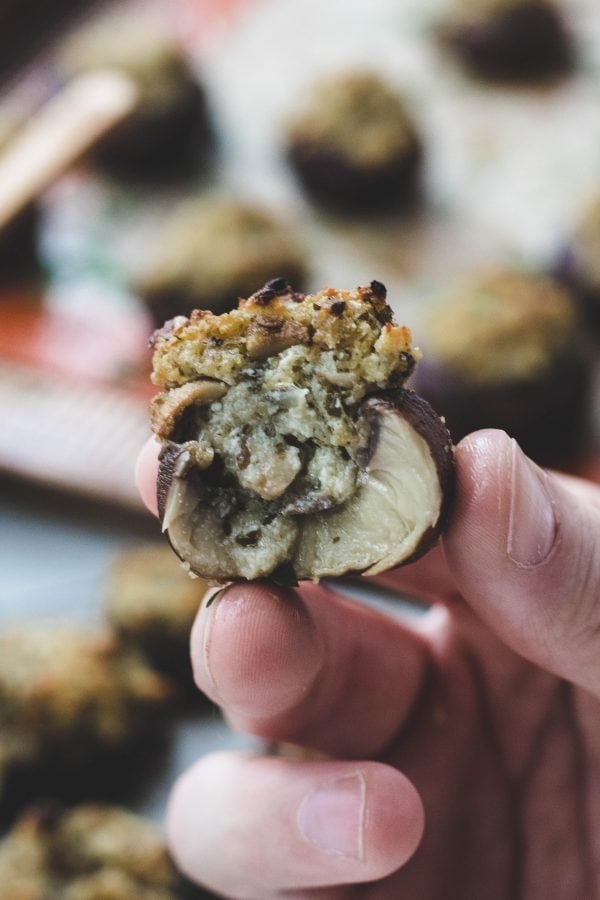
(146, 471)
(586, 491)
(284, 826)
(524, 548)
(497, 755)
(308, 667)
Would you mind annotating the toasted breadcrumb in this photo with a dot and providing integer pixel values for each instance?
(342, 332)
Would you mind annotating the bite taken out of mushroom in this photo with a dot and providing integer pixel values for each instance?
(290, 447)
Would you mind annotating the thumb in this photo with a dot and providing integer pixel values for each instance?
(524, 549)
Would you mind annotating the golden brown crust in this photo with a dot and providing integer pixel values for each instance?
(356, 323)
(211, 251)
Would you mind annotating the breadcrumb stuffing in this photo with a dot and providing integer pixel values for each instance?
(339, 332)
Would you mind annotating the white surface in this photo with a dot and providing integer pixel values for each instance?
(506, 169)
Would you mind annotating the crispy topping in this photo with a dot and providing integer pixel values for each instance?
(357, 325)
(378, 290)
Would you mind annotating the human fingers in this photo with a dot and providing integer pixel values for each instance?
(308, 667)
(146, 472)
(524, 548)
(253, 827)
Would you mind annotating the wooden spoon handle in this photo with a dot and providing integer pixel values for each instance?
(59, 134)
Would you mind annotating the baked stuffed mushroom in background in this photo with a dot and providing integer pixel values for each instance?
(354, 145)
(504, 351)
(210, 252)
(76, 711)
(510, 40)
(89, 852)
(290, 448)
(578, 264)
(169, 137)
(151, 603)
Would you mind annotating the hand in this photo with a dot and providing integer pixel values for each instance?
(465, 746)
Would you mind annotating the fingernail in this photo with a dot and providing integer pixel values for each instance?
(331, 817)
(533, 523)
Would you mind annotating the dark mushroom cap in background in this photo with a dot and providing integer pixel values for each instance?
(354, 145)
(212, 251)
(510, 40)
(504, 350)
(169, 136)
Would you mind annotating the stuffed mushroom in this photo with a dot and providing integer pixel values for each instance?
(504, 351)
(169, 137)
(213, 250)
(354, 145)
(79, 714)
(510, 40)
(290, 448)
